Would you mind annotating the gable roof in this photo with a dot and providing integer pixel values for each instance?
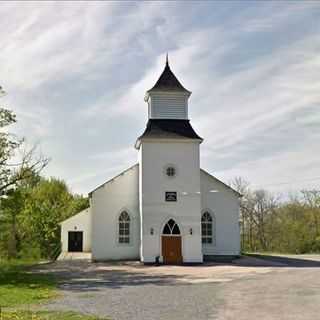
(168, 129)
(84, 211)
(115, 177)
(168, 82)
(221, 182)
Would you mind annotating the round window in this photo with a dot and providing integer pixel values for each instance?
(170, 171)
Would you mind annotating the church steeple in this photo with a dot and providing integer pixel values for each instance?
(168, 98)
(168, 110)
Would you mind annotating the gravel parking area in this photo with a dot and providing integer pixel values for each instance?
(269, 287)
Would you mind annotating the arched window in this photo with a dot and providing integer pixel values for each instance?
(171, 228)
(207, 228)
(124, 227)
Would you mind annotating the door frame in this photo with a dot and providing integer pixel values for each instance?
(79, 232)
(164, 222)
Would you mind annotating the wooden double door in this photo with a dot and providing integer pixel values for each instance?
(171, 249)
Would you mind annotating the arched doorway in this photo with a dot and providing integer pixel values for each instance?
(171, 243)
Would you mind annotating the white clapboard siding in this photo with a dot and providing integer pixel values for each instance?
(169, 107)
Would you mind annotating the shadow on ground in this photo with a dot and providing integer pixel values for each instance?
(283, 261)
(85, 276)
(79, 276)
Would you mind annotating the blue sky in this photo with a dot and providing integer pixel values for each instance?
(76, 74)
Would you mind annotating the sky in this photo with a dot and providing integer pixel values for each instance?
(76, 73)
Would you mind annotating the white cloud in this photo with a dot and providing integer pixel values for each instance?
(76, 75)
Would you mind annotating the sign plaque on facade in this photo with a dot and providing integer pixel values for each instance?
(171, 196)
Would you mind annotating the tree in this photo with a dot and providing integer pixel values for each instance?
(262, 209)
(17, 164)
(257, 209)
(29, 224)
(242, 186)
(48, 204)
(26, 161)
(9, 225)
(13, 205)
(270, 225)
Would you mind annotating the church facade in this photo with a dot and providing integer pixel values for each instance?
(165, 208)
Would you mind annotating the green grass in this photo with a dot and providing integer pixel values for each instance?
(18, 286)
(45, 315)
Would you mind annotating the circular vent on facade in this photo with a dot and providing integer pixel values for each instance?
(170, 171)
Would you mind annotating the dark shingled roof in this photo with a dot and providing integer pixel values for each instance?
(169, 129)
(168, 82)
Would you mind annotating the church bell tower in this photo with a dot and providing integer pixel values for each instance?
(169, 176)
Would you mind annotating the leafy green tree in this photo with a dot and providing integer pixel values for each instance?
(8, 145)
(79, 203)
(31, 207)
(49, 203)
(270, 225)
(26, 161)
(12, 209)
(17, 164)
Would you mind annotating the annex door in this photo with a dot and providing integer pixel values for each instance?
(75, 239)
(171, 243)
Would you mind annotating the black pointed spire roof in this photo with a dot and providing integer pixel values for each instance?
(168, 81)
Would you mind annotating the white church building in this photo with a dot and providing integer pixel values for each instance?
(165, 208)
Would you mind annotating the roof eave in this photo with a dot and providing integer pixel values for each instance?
(115, 177)
(137, 145)
(168, 91)
(238, 194)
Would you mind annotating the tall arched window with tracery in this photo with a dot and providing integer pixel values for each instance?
(124, 227)
(207, 228)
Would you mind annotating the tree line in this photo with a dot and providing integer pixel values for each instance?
(272, 225)
(31, 206)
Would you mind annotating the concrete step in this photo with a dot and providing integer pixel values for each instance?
(75, 256)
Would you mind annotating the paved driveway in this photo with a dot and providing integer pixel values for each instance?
(269, 288)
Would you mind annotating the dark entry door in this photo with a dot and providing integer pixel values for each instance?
(171, 249)
(75, 239)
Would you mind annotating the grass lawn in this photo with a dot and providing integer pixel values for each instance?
(45, 315)
(20, 287)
